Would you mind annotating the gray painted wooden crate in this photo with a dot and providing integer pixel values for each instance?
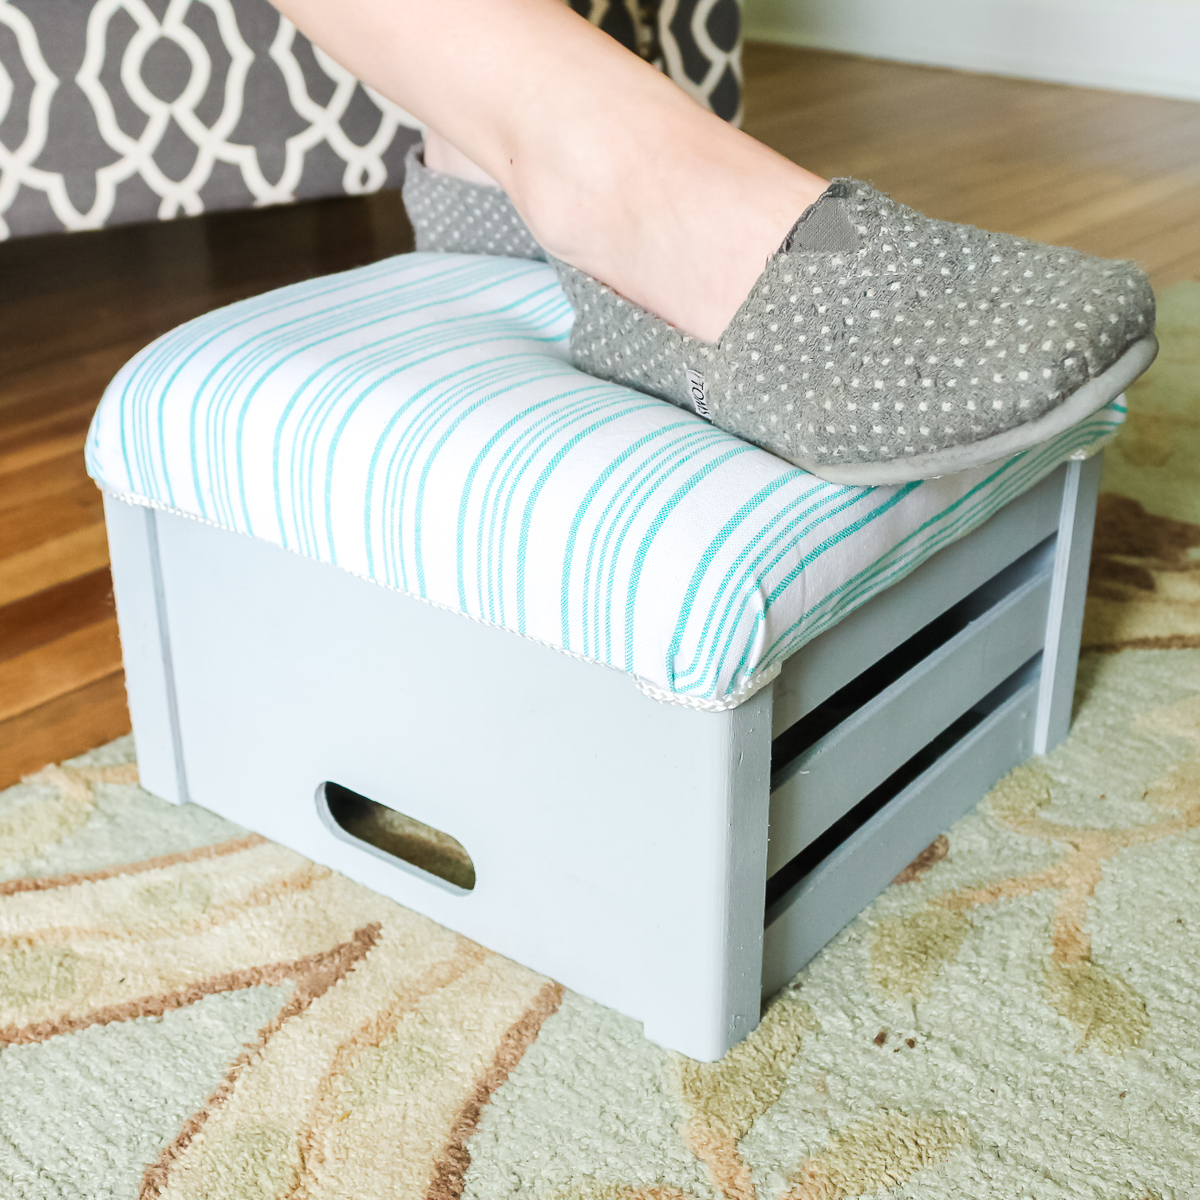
(676, 865)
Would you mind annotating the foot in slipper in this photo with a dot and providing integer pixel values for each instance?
(878, 346)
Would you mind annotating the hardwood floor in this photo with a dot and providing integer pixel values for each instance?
(1114, 174)
(73, 308)
(1110, 173)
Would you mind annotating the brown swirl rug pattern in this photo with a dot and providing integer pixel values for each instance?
(190, 1011)
(1144, 589)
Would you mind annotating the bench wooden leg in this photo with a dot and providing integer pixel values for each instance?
(712, 997)
(1064, 621)
(146, 647)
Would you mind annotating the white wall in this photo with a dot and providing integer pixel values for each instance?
(1131, 45)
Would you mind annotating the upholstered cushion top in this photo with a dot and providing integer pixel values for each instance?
(416, 422)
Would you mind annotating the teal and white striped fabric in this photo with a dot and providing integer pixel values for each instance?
(417, 422)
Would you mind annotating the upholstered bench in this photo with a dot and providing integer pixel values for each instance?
(562, 666)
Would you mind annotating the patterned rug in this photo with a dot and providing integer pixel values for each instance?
(1145, 586)
(188, 1010)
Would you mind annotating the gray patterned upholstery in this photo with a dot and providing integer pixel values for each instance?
(127, 110)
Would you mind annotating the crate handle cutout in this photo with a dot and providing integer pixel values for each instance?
(396, 835)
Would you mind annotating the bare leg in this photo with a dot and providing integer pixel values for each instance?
(615, 169)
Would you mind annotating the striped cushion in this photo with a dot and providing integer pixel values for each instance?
(416, 422)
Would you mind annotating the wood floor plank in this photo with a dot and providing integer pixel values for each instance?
(1162, 231)
(72, 310)
(1180, 270)
(1007, 199)
(53, 562)
(64, 665)
(1155, 136)
(1021, 203)
(1166, 248)
(1119, 207)
(73, 296)
(63, 383)
(1078, 166)
(66, 726)
(41, 481)
(952, 111)
(35, 398)
(49, 437)
(35, 451)
(50, 517)
(55, 612)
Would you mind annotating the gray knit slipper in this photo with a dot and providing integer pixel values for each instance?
(881, 346)
(451, 215)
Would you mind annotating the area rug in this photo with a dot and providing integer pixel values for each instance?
(188, 1010)
(1145, 585)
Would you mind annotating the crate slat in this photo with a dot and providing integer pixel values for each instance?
(829, 662)
(827, 780)
(834, 892)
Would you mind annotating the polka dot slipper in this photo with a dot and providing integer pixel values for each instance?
(881, 346)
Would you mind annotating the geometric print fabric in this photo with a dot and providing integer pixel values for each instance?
(129, 110)
(162, 108)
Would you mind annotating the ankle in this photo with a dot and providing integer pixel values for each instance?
(684, 230)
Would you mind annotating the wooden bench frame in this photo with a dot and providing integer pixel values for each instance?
(627, 847)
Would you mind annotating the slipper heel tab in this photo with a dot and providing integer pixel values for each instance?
(825, 227)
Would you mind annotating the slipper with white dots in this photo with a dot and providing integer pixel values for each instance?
(881, 346)
(452, 215)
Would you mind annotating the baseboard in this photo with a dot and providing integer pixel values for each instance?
(1150, 46)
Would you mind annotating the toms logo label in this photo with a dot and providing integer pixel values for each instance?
(696, 393)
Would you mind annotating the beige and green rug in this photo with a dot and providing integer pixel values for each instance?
(190, 1011)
